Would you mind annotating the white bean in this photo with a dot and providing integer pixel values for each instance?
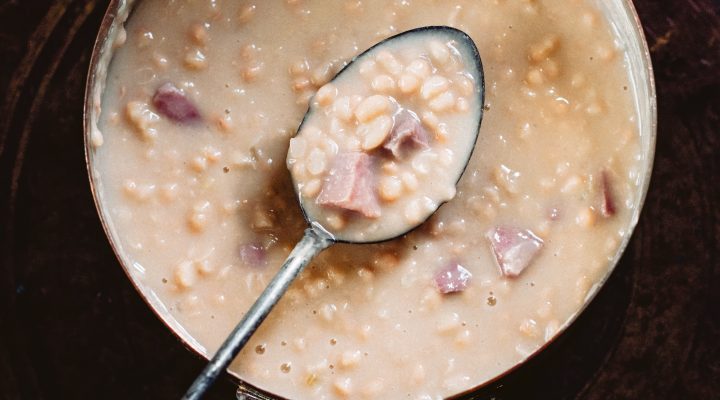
(408, 83)
(414, 212)
(142, 119)
(252, 71)
(317, 161)
(198, 34)
(439, 52)
(372, 107)
(420, 68)
(443, 102)
(203, 266)
(391, 188)
(528, 327)
(448, 323)
(326, 94)
(374, 133)
(586, 218)
(195, 59)
(389, 62)
(423, 162)
(434, 86)
(312, 188)
(343, 387)
(409, 181)
(464, 84)
(185, 275)
(350, 359)
(246, 13)
(462, 105)
(383, 84)
(342, 109)
(300, 67)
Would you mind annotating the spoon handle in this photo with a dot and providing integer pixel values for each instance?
(315, 240)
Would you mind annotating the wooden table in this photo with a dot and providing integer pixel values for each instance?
(72, 326)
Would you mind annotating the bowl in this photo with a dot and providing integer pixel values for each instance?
(624, 23)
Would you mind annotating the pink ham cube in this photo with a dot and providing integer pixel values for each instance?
(452, 278)
(172, 103)
(514, 249)
(253, 255)
(350, 185)
(607, 206)
(408, 133)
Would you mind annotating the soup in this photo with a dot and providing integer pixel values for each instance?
(201, 101)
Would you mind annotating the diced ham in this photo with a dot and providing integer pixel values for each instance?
(452, 278)
(350, 185)
(172, 103)
(607, 206)
(554, 214)
(514, 249)
(408, 133)
(253, 255)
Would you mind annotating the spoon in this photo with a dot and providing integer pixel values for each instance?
(367, 225)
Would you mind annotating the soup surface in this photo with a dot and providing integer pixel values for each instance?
(202, 100)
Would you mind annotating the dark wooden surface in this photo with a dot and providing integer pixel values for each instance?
(72, 326)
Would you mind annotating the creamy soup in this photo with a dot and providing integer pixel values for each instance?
(201, 103)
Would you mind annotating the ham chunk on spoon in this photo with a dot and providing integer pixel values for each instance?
(350, 185)
(514, 249)
(408, 133)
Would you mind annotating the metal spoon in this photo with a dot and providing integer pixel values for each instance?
(318, 237)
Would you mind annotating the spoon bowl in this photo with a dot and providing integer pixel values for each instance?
(465, 128)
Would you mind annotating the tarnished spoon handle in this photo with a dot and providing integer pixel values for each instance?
(313, 242)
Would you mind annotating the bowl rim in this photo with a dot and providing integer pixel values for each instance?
(102, 49)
